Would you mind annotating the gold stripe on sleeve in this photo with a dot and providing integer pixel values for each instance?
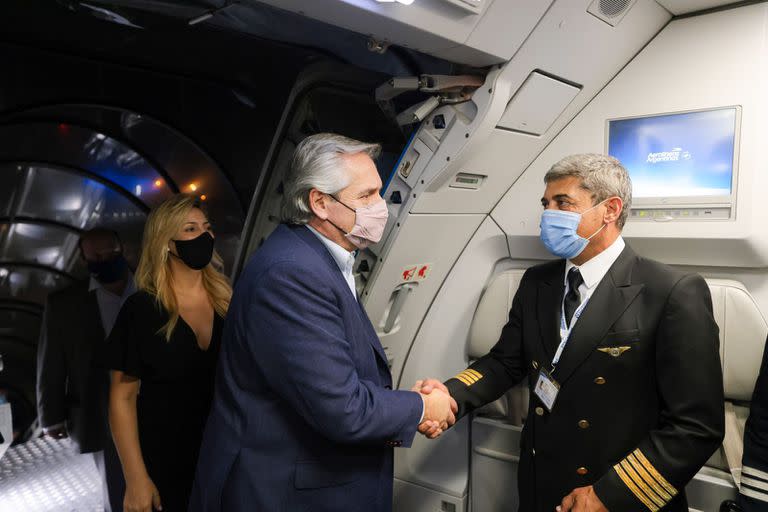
(641, 483)
(648, 478)
(632, 487)
(476, 373)
(655, 474)
(463, 379)
(469, 376)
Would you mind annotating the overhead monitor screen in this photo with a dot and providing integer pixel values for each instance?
(684, 155)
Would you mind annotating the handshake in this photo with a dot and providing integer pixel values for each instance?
(439, 408)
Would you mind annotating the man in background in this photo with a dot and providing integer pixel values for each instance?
(72, 379)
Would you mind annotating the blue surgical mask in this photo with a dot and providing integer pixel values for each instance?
(559, 232)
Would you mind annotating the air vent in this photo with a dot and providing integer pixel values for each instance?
(610, 11)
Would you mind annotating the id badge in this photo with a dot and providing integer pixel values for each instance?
(546, 389)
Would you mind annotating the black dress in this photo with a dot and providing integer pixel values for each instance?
(175, 394)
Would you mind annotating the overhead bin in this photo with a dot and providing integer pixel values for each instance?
(537, 104)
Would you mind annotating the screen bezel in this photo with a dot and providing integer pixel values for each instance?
(688, 201)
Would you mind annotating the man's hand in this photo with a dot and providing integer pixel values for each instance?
(433, 426)
(582, 499)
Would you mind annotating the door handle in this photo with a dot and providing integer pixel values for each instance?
(401, 295)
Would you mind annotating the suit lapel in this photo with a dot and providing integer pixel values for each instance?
(307, 236)
(549, 296)
(612, 297)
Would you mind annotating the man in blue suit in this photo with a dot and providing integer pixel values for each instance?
(304, 416)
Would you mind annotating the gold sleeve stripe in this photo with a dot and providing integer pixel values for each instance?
(652, 470)
(632, 487)
(648, 478)
(641, 483)
(475, 373)
(465, 375)
(463, 379)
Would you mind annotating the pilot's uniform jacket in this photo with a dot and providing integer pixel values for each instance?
(640, 407)
(753, 496)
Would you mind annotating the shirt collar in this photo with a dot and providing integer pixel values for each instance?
(595, 269)
(343, 258)
(130, 287)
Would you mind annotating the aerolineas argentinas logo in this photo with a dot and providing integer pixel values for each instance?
(675, 155)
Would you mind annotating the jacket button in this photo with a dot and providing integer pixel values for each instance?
(600, 381)
(535, 365)
(540, 411)
(582, 471)
(583, 424)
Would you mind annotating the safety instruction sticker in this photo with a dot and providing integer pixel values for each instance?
(411, 273)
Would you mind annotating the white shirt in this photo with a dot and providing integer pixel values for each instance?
(110, 303)
(344, 259)
(594, 270)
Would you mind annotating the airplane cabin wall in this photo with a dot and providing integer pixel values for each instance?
(712, 60)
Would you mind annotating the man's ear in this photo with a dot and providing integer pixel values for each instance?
(614, 207)
(318, 203)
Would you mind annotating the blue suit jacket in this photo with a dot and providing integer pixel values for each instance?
(304, 416)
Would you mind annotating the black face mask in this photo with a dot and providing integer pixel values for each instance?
(195, 253)
(109, 271)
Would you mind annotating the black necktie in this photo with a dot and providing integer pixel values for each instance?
(573, 297)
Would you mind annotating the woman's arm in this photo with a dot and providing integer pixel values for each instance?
(141, 495)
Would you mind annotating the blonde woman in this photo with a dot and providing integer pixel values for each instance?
(166, 341)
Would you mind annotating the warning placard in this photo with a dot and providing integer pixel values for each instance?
(413, 273)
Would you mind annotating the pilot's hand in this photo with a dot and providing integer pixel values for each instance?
(582, 499)
(57, 433)
(141, 495)
(426, 387)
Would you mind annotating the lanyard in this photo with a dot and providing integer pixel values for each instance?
(565, 330)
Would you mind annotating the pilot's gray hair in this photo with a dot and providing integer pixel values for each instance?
(317, 163)
(601, 175)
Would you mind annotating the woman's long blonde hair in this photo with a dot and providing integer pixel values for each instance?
(154, 275)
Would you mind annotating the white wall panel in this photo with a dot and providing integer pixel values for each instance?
(713, 60)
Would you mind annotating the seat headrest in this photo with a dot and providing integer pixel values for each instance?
(742, 328)
(742, 336)
(492, 312)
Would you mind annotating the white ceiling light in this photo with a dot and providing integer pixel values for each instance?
(404, 2)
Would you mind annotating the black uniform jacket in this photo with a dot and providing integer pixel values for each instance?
(753, 495)
(72, 378)
(640, 407)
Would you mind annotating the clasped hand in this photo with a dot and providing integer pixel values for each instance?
(439, 408)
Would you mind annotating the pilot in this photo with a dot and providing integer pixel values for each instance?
(753, 494)
(72, 375)
(621, 355)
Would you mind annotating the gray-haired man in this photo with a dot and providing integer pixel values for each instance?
(621, 355)
(304, 415)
